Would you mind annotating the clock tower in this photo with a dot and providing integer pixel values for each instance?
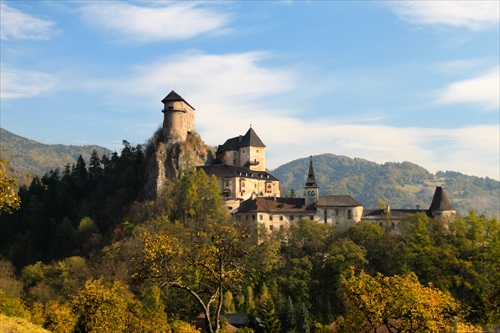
(311, 190)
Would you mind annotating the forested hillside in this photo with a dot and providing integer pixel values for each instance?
(402, 185)
(86, 253)
(29, 158)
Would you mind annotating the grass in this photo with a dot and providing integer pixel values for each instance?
(18, 325)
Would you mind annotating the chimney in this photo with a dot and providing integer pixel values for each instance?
(418, 207)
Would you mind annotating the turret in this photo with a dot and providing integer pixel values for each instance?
(311, 190)
(178, 119)
(441, 206)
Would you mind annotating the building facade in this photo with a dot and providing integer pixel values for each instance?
(240, 169)
(277, 213)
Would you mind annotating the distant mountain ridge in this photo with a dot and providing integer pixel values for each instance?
(28, 158)
(401, 185)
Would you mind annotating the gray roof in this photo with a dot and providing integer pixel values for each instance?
(337, 201)
(440, 201)
(249, 139)
(275, 205)
(175, 97)
(231, 171)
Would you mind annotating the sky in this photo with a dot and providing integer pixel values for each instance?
(393, 81)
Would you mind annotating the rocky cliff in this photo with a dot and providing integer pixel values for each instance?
(166, 160)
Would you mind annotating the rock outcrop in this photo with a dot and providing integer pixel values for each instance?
(169, 160)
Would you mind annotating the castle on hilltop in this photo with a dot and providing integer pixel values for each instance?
(252, 194)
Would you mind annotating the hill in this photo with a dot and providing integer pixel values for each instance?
(402, 185)
(30, 158)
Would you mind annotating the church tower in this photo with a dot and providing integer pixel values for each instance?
(311, 190)
(178, 118)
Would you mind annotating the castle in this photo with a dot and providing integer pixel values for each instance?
(252, 194)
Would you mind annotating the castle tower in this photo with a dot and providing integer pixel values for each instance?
(178, 118)
(441, 206)
(311, 190)
(244, 151)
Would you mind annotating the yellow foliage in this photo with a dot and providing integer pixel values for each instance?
(9, 200)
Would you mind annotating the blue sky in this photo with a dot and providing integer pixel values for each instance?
(385, 81)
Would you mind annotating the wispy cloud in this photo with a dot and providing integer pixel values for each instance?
(174, 21)
(232, 91)
(474, 15)
(472, 150)
(19, 83)
(483, 90)
(16, 25)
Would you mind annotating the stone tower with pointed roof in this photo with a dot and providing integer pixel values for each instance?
(441, 206)
(311, 190)
(178, 118)
(243, 151)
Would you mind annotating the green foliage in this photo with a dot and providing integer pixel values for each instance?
(202, 262)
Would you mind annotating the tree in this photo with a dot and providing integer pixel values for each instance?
(9, 199)
(203, 262)
(397, 304)
(101, 308)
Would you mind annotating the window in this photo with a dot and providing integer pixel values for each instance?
(270, 217)
(243, 151)
(170, 107)
(292, 217)
(311, 217)
(253, 217)
(271, 227)
(282, 227)
(261, 217)
(227, 183)
(349, 214)
(281, 217)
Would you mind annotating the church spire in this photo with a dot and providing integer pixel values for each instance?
(311, 179)
(311, 190)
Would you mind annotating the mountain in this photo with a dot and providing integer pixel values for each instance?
(28, 158)
(401, 185)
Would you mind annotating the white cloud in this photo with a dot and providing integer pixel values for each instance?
(18, 83)
(470, 150)
(474, 15)
(232, 91)
(15, 24)
(151, 24)
(483, 90)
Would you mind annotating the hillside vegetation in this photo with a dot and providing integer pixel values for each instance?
(85, 252)
(29, 158)
(402, 185)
